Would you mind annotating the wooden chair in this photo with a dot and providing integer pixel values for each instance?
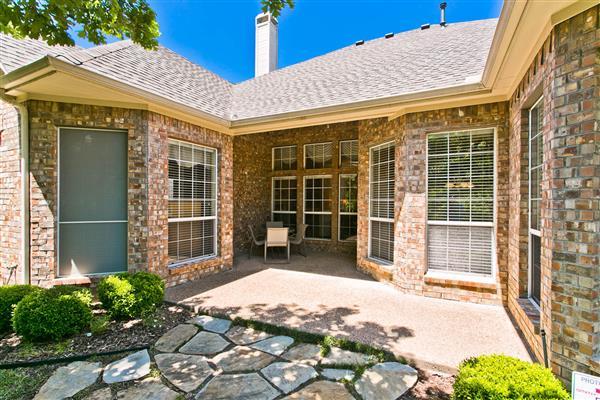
(254, 241)
(277, 237)
(298, 240)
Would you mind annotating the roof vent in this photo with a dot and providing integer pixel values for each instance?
(425, 26)
(359, 42)
(389, 35)
(443, 14)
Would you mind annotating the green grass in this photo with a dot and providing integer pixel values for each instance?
(23, 383)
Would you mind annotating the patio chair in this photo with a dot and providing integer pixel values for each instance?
(254, 241)
(298, 240)
(274, 224)
(277, 237)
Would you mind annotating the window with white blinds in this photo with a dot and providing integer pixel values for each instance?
(348, 206)
(317, 155)
(317, 206)
(284, 201)
(381, 202)
(284, 158)
(192, 201)
(348, 153)
(460, 201)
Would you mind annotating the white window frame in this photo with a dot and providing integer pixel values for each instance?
(316, 144)
(352, 164)
(530, 231)
(189, 219)
(469, 277)
(369, 219)
(273, 157)
(304, 212)
(281, 178)
(340, 213)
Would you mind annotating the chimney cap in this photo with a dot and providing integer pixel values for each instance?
(443, 5)
(359, 42)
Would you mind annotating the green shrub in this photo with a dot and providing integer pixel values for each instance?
(52, 314)
(82, 293)
(131, 295)
(9, 297)
(496, 377)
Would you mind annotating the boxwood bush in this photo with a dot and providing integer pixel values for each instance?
(53, 314)
(128, 295)
(9, 297)
(496, 377)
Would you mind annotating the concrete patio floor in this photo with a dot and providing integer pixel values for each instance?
(325, 293)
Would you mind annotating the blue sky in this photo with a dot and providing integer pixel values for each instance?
(219, 34)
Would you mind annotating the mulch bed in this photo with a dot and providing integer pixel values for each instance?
(119, 335)
(431, 386)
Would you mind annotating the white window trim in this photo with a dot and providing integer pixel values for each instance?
(304, 212)
(180, 263)
(464, 276)
(377, 219)
(341, 176)
(273, 156)
(273, 212)
(312, 144)
(340, 153)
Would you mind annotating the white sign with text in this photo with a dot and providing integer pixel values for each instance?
(585, 387)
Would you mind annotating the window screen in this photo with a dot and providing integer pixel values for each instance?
(284, 158)
(317, 155)
(536, 160)
(192, 201)
(460, 201)
(348, 153)
(348, 206)
(317, 206)
(381, 202)
(284, 201)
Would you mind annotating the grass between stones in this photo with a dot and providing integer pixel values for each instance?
(23, 383)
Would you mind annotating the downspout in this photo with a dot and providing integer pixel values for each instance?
(24, 168)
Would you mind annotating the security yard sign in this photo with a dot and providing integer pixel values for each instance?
(585, 387)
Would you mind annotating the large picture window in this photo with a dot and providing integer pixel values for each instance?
(348, 206)
(317, 155)
(536, 160)
(381, 202)
(284, 158)
(317, 206)
(284, 201)
(460, 201)
(192, 201)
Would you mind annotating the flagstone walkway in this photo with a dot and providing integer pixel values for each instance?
(208, 358)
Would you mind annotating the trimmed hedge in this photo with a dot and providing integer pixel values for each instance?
(53, 314)
(9, 297)
(497, 377)
(128, 295)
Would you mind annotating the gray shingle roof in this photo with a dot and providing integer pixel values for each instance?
(411, 61)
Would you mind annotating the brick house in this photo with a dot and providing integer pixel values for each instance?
(458, 161)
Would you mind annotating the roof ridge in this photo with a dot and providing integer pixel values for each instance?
(84, 55)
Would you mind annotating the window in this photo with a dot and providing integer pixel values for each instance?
(317, 155)
(284, 158)
(348, 153)
(317, 206)
(284, 201)
(348, 204)
(192, 201)
(460, 201)
(536, 160)
(381, 202)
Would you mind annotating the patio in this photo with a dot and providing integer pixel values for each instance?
(325, 293)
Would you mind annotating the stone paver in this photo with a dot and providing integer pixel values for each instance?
(174, 338)
(275, 345)
(337, 374)
(211, 324)
(242, 358)
(386, 381)
(134, 366)
(288, 376)
(339, 356)
(305, 353)
(148, 389)
(184, 371)
(244, 336)
(205, 343)
(71, 379)
(100, 394)
(238, 387)
(322, 390)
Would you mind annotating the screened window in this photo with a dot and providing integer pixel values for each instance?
(284, 158)
(317, 155)
(348, 206)
(284, 201)
(381, 202)
(192, 201)
(460, 201)
(536, 159)
(317, 206)
(348, 153)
